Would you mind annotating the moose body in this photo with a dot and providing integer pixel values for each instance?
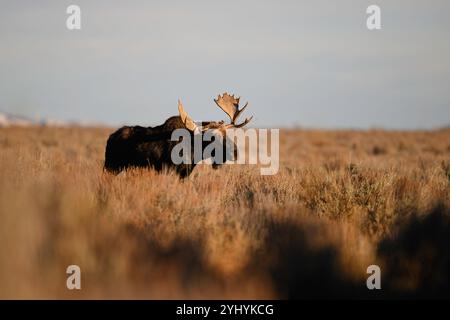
(136, 146)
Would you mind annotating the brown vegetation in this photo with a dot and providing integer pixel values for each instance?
(341, 201)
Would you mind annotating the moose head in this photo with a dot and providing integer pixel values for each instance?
(230, 105)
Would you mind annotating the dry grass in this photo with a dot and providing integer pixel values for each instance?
(341, 201)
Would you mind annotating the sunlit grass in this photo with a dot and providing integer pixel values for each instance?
(227, 233)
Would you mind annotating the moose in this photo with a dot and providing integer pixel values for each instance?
(151, 147)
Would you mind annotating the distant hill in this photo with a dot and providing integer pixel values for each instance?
(7, 120)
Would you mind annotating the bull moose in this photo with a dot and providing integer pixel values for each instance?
(151, 147)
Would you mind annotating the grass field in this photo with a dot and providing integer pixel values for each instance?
(342, 200)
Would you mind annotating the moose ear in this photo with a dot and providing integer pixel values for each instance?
(187, 121)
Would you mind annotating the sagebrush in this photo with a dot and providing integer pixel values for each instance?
(342, 200)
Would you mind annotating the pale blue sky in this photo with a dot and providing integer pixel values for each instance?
(306, 63)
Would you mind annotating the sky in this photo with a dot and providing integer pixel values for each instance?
(310, 64)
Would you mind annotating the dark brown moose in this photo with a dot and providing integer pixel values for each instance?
(136, 146)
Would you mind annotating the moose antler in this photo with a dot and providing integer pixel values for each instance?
(227, 103)
(230, 105)
(188, 122)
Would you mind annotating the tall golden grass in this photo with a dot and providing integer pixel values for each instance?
(342, 200)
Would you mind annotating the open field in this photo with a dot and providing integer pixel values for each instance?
(342, 200)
